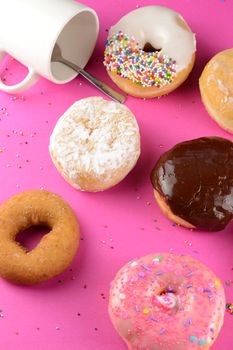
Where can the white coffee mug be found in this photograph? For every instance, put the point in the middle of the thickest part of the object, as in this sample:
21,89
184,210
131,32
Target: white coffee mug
29,30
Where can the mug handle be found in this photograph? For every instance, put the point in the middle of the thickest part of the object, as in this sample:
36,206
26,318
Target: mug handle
28,81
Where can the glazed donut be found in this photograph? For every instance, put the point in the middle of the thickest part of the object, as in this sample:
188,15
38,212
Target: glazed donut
216,86
54,252
167,302
95,144
150,52
193,183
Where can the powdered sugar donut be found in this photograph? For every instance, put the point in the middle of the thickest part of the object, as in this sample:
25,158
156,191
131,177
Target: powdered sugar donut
167,302
95,144
150,51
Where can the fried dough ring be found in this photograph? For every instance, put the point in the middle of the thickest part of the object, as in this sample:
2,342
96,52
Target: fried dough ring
55,250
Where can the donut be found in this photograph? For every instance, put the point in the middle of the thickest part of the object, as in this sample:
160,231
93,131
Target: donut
216,87
54,252
167,302
95,144
193,183
150,52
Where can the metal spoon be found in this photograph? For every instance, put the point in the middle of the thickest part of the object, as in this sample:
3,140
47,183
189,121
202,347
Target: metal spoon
107,90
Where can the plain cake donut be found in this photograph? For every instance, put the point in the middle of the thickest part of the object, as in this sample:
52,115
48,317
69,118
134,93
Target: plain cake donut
150,51
167,302
55,251
95,144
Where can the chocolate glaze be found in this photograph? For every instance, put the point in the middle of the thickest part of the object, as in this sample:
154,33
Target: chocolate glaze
196,180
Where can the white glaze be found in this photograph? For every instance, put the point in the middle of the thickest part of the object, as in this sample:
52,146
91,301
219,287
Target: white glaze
158,26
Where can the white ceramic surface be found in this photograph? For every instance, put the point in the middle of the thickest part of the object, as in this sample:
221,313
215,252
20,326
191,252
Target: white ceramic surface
29,30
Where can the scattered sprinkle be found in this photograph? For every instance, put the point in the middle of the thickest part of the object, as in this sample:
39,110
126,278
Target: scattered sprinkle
193,339
217,283
146,311
157,258
229,308
146,267
102,296
202,342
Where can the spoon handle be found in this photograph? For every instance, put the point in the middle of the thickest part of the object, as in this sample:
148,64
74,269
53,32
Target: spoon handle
107,90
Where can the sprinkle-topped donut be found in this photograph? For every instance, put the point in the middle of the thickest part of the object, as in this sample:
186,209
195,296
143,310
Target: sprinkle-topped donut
150,51
167,302
124,57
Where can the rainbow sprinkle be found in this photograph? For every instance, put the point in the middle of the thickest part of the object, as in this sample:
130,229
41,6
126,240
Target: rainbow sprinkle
124,57
229,308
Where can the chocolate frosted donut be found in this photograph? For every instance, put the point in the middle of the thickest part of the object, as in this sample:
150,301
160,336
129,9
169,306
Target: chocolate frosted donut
193,183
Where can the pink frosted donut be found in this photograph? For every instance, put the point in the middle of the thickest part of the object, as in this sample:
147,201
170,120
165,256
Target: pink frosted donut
167,302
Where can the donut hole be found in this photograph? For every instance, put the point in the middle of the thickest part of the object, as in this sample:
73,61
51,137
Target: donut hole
150,48
30,237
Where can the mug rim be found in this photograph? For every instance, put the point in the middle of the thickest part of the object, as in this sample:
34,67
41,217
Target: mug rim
78,12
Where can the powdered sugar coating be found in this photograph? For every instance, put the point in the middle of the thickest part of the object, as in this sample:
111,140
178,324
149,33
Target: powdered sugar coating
95,138
167,302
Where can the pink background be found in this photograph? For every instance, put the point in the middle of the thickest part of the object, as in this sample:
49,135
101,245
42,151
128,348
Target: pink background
70,311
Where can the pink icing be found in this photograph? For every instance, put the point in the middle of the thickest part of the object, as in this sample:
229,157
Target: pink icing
167,302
